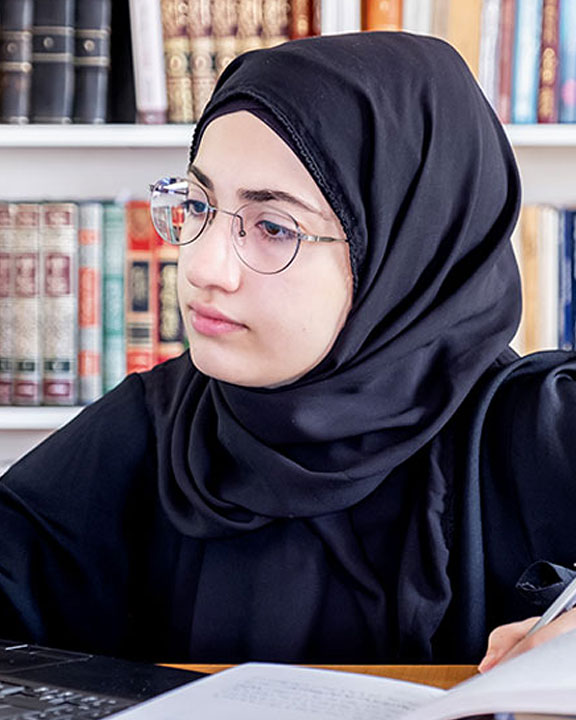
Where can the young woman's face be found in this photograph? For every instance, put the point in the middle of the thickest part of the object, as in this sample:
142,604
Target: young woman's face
244,327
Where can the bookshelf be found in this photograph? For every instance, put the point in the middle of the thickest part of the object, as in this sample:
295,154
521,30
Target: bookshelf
46,161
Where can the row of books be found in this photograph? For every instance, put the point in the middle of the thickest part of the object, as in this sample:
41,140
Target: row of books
545,245
150,61
87,294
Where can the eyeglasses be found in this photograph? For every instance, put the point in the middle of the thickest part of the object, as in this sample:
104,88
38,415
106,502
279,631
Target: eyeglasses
265,238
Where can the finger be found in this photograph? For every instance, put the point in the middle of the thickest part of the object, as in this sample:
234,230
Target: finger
502,640
562,624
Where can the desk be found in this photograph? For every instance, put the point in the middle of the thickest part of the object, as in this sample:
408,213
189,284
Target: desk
442,676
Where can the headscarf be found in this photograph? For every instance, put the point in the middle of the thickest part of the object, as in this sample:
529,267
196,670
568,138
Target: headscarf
408,152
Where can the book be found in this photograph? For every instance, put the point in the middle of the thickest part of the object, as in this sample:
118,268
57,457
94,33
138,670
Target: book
275,22
566,300
548,74
148,62
90,242
489,59
59,302
539,681
249,31
169,327
417,16
175,24
92,60
224,28
52,92
202,57
526,61
463,32
7,218
567,53
15,60
506,30
121,93
113,324
381,15
141,287
548,277
300,19
26,343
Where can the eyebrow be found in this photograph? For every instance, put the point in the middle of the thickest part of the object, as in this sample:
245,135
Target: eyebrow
262,195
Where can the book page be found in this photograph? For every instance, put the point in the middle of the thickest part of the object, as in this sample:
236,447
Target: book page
257,691
541,681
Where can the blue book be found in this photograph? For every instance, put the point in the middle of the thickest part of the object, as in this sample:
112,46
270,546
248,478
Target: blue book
526,61
114,343
566,333
567,61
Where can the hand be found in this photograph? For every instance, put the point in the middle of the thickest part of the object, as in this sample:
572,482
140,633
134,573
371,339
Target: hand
507,641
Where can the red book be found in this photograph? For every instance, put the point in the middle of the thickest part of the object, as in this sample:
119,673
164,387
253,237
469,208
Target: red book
381,15
141,288
549,76
301,16
507,23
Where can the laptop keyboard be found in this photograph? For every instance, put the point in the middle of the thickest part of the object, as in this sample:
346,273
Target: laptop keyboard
33,701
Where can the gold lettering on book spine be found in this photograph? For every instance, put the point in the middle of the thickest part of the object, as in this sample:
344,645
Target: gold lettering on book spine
202,53
548,61
275,22
249,25
224,28
177,58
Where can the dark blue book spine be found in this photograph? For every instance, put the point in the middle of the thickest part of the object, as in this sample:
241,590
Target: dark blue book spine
15,60
92,60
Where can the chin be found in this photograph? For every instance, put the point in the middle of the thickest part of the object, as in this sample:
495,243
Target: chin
238,373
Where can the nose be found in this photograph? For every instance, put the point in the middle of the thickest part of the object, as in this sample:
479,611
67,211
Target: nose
210,261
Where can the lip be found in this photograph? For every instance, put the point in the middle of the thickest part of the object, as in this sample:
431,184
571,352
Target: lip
209,321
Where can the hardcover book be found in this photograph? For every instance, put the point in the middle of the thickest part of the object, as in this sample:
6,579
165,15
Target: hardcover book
59,258
381,15
7,218
114,339
224,29
89,302
141,288
464,22
148,61
488,65
548,74
169,326
92,60
202,54
26,343
506,35
249,32
53,61
526,61
567,52
15,60
175,22
275,22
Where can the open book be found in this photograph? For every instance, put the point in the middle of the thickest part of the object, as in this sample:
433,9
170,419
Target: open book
540,681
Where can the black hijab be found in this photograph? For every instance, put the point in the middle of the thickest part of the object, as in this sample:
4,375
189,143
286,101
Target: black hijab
409,154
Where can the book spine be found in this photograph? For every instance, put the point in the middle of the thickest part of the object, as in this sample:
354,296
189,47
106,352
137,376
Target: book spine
506,34
316,17
114,344
566,335
249,33
59,258
148,60
417,16
567,51
175,22
202,57
548,278
526,61
121,93
275,22
15,60
170,326
464,30
26,343
300,19
92,60
530,286
89,302
489,50
53,61
224,28
548,75
141,288
381,15
7,217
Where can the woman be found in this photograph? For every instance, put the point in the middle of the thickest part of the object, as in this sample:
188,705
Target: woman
350,465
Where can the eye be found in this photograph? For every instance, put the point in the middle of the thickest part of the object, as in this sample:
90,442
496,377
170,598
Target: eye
274,231
196,207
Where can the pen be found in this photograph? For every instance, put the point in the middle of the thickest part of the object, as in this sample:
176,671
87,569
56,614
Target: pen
565,601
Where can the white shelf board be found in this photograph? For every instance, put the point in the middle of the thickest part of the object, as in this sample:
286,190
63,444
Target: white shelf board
95,136
179,136
35,418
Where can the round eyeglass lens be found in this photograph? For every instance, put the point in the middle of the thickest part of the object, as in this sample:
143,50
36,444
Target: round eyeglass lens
267,240
179,210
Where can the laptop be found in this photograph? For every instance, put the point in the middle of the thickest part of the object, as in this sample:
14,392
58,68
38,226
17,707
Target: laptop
39,683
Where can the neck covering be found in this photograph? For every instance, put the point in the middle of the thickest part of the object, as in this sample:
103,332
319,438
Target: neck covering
407,151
